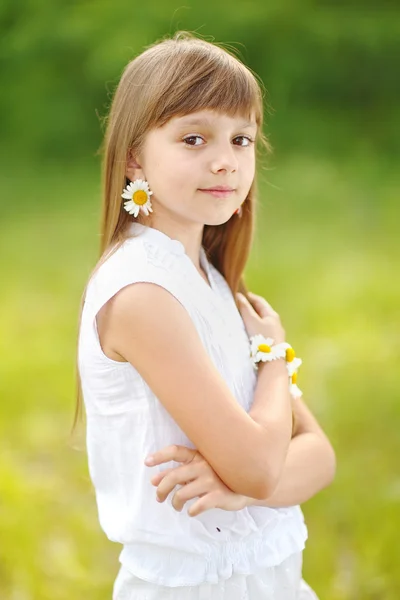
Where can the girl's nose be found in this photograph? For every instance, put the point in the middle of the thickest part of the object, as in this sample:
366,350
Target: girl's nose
224,160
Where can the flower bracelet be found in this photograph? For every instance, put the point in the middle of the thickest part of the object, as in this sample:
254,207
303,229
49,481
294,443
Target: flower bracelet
263,349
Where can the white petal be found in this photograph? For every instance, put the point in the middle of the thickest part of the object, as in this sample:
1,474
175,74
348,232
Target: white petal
282,346
285,345
294,365
255,340
291,368
278,352
265,356
295,391
129,206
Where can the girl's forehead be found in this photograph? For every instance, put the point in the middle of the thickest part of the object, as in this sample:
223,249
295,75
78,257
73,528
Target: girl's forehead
212,117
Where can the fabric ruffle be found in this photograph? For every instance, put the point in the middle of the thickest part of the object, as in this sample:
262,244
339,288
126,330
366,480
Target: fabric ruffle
170,567
282,582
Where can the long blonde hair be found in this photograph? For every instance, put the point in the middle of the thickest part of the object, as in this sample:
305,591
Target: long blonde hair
175,77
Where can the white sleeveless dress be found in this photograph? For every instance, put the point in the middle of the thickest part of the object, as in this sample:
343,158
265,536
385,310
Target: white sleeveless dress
254,553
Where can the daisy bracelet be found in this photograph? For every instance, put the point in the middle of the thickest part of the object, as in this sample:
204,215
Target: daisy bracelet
263,349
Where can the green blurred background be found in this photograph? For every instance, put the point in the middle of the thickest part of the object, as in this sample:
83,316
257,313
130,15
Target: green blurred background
326,256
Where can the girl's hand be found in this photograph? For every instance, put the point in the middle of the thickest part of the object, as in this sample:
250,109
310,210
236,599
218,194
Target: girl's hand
198,480
259,317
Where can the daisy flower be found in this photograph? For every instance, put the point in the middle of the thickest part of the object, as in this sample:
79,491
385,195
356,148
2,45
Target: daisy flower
138,195
289,353
294,389
262,348
292,364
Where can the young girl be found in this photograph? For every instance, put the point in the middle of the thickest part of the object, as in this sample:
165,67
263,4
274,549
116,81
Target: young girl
164,351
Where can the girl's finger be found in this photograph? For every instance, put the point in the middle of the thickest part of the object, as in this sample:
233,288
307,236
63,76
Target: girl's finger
187,492
179,475
177,453
206,502
244,303
155,480
261,305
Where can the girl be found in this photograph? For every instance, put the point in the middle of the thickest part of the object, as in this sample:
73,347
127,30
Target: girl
163,353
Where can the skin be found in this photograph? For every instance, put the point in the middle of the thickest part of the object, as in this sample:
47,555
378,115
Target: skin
178,160
190,153
310,467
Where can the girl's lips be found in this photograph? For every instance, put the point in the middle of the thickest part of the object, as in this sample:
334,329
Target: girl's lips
218,193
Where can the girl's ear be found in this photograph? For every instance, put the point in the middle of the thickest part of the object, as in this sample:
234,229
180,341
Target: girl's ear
133,168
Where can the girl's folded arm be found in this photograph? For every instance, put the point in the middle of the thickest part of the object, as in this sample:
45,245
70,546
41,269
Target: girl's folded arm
149,327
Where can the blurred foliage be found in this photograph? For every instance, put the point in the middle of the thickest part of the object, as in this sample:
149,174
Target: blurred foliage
326,256
333,64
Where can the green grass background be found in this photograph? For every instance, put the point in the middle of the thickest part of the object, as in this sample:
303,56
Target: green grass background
326,256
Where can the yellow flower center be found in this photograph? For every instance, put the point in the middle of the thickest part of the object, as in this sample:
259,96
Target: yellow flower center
290,354
264,348
294,378
140,197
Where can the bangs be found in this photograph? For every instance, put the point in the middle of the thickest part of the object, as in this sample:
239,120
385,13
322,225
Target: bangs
207,78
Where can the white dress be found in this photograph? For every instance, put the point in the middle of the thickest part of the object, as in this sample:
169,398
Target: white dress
253,553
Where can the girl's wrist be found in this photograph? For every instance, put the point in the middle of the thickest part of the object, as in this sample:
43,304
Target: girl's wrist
276,367
265,350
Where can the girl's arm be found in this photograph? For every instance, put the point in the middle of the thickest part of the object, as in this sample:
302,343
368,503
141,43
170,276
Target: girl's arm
309,466
247,451
310,463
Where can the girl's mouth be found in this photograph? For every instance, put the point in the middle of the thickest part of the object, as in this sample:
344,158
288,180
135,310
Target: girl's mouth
218,192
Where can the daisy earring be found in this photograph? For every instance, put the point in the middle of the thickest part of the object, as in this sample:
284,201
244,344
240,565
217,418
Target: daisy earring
137,194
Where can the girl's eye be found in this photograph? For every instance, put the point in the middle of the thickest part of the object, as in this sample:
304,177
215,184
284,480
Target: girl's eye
247,139
189,140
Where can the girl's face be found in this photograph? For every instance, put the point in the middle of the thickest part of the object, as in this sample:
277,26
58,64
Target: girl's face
189,155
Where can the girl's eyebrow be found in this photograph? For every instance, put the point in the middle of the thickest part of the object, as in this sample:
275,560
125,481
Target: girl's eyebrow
204,121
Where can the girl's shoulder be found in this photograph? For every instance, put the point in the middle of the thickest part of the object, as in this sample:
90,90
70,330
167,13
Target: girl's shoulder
136,259
129,258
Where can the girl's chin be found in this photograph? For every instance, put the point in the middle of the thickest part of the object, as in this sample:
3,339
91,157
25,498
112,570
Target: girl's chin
218,219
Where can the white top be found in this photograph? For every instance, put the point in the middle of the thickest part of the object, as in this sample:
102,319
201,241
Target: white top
126,422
